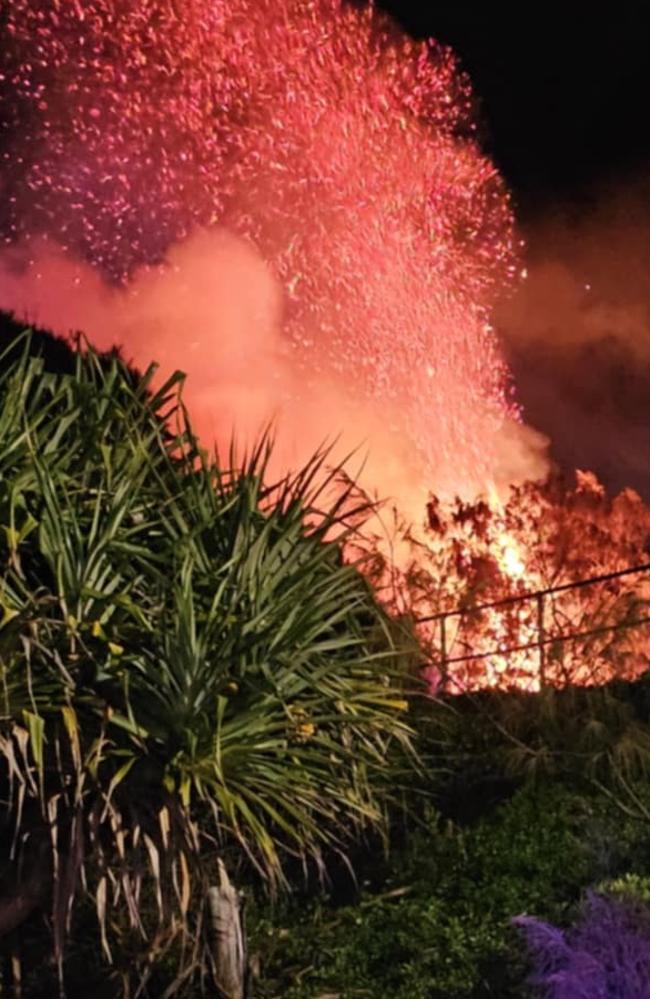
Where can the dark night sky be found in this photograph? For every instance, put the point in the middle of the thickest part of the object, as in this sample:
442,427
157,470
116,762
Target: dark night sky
564,88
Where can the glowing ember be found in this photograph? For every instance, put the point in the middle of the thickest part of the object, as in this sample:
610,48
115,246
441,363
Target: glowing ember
341,151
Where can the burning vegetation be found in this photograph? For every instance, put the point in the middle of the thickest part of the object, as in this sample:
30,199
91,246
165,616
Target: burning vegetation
302,186
287,201
550,587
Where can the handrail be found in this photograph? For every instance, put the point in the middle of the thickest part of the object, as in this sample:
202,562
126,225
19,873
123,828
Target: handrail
573,636
534,594
543,639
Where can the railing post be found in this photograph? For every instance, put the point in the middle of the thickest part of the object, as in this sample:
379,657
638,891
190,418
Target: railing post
443,648
541,637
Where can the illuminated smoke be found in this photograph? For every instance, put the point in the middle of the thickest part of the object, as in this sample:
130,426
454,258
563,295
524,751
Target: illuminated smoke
578,332
319,171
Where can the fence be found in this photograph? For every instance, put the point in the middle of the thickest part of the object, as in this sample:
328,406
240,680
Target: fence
542,640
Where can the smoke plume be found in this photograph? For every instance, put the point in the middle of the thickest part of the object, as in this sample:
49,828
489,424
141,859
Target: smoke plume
577,333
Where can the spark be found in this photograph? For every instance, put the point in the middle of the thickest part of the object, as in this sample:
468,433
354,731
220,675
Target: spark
342,150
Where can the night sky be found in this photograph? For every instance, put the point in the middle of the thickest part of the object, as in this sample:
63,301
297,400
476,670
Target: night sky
563,88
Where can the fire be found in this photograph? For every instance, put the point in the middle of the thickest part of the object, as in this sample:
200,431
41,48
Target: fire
511,558
339,151
551,586
287,200
509,552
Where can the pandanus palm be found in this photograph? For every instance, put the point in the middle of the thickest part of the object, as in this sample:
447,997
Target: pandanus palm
187,660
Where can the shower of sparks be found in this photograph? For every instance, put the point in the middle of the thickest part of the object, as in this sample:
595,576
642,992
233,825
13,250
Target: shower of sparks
344,152
345,156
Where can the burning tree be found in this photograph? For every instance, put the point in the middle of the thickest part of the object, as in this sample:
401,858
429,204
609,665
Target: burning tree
549,587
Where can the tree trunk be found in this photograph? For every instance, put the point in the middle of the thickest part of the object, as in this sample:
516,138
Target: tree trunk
227,932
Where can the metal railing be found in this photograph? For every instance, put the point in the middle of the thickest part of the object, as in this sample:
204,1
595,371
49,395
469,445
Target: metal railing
542,641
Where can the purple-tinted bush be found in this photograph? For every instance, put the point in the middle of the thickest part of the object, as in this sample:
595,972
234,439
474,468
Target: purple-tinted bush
606,956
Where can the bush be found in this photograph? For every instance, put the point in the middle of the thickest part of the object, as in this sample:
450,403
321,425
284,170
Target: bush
605,956
434,922
629,886
188,663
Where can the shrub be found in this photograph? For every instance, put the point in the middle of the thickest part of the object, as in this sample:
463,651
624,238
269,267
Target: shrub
434,921
605,956
188,663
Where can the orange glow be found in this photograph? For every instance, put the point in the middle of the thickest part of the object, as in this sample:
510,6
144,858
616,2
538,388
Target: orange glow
286,200
543,538
368,232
